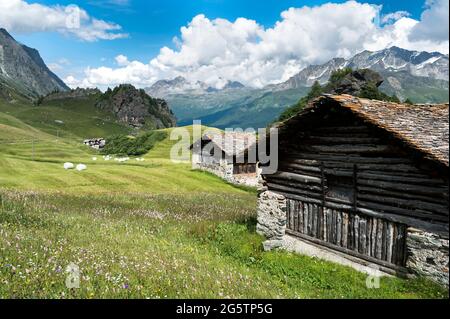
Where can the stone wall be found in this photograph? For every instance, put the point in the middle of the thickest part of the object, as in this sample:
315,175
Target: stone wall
428,255
223,169
272,219
220,168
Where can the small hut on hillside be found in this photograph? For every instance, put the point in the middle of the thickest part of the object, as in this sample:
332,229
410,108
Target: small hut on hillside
365,179
227,155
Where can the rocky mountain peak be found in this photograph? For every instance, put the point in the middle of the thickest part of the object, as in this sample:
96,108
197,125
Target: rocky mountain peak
22,69
134,107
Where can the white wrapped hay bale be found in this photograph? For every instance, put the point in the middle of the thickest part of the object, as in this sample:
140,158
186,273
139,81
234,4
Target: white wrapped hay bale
81,167
68,166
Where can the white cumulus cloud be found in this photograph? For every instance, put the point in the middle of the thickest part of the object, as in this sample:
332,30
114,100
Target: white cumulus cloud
243,50
23,17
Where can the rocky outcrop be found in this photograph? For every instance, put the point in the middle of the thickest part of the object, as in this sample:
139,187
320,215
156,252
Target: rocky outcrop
22,69
134,107
354,82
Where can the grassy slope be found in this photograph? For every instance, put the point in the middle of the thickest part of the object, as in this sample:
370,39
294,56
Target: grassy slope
80,118
154,229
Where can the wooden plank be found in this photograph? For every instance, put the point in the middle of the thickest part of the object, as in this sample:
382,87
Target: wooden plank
394,163
400,194
298,197
384,241
422,190
305,218
292,190
314,221
319,222
339,228
356,227
298,178
407,203
362,236
389,235
395,259
401,211
295,214
350,148
289,212
379,240
332,140
330,224
292,215
369,234
341,129
305,168
310,219
373,249
301,209
325,224
344,229
404,179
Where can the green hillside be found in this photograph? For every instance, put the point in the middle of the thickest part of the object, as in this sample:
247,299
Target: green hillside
239,108
70,118
151,229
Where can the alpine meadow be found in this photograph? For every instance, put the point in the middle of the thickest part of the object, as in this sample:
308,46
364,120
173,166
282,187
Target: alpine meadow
352,112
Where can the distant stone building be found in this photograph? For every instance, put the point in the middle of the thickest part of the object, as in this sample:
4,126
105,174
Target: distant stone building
366,180
228,155
96,143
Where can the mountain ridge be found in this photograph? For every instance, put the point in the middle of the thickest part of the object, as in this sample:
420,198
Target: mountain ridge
23,70
420,76
432,65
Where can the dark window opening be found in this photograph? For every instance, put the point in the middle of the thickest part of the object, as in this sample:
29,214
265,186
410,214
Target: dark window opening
340,188
244,169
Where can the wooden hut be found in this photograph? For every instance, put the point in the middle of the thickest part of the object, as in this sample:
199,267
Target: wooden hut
227,155
366,179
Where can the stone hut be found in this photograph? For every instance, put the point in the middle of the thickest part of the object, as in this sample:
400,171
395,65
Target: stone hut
228,155
366,181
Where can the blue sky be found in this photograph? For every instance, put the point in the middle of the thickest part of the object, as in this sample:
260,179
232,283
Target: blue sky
151,25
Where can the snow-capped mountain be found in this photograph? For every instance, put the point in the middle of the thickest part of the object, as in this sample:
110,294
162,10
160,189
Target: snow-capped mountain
180,85
432,65
420,76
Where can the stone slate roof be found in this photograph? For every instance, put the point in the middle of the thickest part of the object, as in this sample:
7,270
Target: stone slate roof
424,128
231,143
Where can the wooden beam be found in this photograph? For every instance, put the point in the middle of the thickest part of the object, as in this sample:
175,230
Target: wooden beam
298,178
347,251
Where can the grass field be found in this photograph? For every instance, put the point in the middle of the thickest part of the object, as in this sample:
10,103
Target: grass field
151,229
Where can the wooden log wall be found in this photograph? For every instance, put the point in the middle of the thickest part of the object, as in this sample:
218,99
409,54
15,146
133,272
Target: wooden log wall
389,183
364,236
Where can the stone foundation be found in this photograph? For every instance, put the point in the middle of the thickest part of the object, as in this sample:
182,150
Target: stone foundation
272,219
428,255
